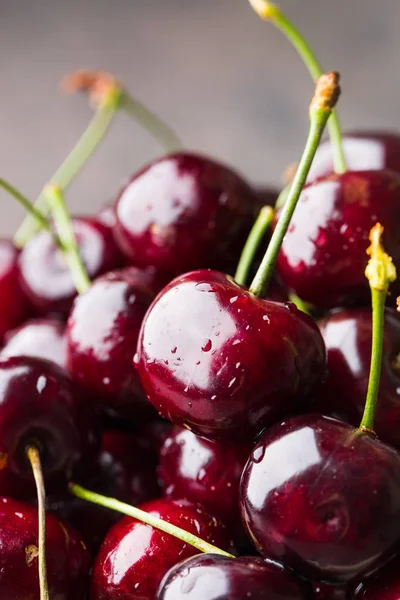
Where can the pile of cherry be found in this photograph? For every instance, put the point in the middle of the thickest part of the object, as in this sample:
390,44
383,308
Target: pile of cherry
167,385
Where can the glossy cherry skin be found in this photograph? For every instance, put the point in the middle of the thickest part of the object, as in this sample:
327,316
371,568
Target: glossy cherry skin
216,577
13,304
325,591
41,338
68,561
221,361
40,404
135,557
322,498
364,150
347,336
323,256
102,334
45,276
203,471
184,212
382,585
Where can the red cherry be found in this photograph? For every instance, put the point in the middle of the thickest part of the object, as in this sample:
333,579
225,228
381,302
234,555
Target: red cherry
68,561
323,256
382,585
45,276
224,362
323,498
184,212
41,338
13,304
135,557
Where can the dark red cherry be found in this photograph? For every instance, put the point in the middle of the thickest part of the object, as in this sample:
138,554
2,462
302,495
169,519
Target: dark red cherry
68,561
135,557
40,405
13,305
223,362
364,150
203,471
42,338
267,196
323,256
184,212
382,585
347,336
322,498
102,334
216,577
326,591
44,274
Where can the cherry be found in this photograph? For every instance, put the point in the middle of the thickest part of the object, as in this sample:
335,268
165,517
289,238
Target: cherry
13,304
323,498
267,196
364,150
382,585
40,405
45,275
67,558
203,471
215,577
347,336
184,212
323,258
102,334
42,338
224,362
134,557
325,591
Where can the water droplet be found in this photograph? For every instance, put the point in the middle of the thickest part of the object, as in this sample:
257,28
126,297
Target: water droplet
266,318
174,349
136,359
213,397
236,342
106,380
233,299
237,365
203,287
41,384
232,381
258,454
206,345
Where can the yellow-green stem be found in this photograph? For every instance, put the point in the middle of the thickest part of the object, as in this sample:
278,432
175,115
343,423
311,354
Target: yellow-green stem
256,236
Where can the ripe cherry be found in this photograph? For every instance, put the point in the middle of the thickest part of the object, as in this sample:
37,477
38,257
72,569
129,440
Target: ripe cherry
222,361
44,274
41,338
40,405
68,560
14,308
382,585
184,212
347,336
203,471
323,258
323,498
135,557
102,335
215,577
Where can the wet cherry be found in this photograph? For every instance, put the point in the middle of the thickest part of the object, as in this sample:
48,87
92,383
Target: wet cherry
14,306
68,561
224,362
323,498
215,577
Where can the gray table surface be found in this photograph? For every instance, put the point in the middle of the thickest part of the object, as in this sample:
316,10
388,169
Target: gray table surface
230,84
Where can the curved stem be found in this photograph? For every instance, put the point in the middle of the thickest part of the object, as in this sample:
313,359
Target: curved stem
144,517
257,234
71,166
33,456
36,214
151,122
272,13
66,234
327,92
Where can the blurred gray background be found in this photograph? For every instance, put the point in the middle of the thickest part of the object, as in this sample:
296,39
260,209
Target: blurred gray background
228,83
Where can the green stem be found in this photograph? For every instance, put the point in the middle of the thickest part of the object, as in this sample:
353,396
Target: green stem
301,305
33,456
272,13
144,517
378,319
151,122
36,214
72,165
318,119
257,234
66,234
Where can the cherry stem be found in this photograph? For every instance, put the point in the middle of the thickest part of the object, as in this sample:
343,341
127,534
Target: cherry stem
256,236
301,305
380,272
326,95
33,456
66,234
272,13
36,214
144,517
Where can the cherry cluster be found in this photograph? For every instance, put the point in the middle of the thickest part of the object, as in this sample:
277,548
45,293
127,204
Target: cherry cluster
202,356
